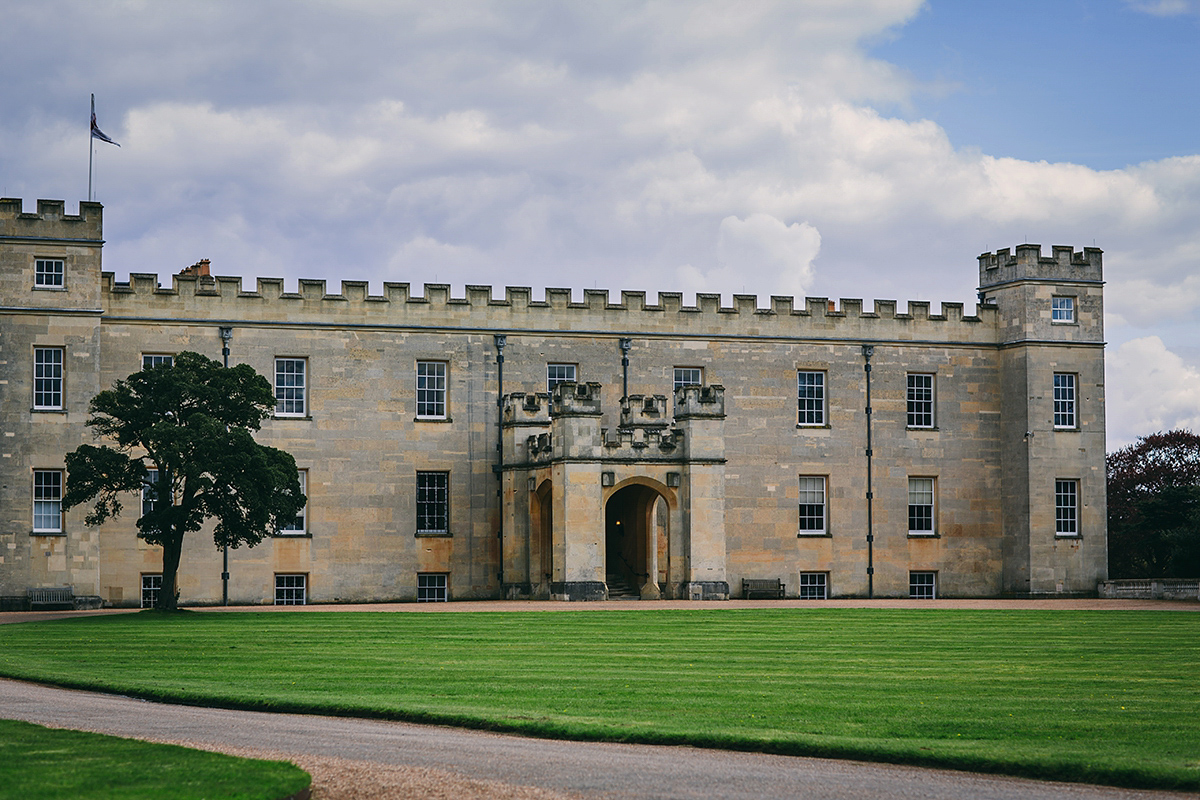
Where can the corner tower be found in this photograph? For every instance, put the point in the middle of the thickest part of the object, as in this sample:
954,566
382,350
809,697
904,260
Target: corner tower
1050,330
49,371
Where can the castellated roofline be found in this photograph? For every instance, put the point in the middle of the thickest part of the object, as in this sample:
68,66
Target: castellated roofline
1064,264
51,220
314,296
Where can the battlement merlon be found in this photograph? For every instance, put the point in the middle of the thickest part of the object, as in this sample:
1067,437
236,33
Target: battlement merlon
575,400
644,411
1064,265
700,402
51,222
526,409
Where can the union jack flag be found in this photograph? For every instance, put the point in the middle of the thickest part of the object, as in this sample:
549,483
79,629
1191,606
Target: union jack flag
99,134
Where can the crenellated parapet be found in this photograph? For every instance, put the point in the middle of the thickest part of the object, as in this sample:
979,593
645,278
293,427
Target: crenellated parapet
1027,263
206,297
575,400
643,444
700,402
530,409
644,411
51,222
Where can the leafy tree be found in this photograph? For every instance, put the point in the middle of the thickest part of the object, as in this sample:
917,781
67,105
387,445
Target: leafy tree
192,421
1154,507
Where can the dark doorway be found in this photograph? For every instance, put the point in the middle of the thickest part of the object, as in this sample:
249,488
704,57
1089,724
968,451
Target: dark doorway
634,522
541,544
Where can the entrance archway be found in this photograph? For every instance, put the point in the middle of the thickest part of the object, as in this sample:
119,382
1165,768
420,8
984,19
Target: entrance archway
541,541
636,551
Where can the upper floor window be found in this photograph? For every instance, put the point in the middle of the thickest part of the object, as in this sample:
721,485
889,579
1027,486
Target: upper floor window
154,360
433,502
812,504
688,376
1062,309
559,373
1066,508
300,524
49,273
48,378
290,387
1064,400
811,397
47,500
920,400
150,489
431,389
920,506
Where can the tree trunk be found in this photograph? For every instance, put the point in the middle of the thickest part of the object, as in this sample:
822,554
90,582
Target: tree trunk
168,595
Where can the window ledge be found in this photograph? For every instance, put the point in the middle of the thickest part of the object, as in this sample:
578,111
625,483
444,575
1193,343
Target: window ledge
36,410
933,428
433,419
1072,429
37,288
803,426
48,533
923,535
825,535
292,535
1068,536
433,534
307,417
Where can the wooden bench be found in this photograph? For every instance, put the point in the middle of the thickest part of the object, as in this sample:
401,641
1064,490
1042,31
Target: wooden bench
771,588
59,598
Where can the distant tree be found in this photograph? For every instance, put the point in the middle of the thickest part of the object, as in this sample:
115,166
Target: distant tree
192,422
1154,507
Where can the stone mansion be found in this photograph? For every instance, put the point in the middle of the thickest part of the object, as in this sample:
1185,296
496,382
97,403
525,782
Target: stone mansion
473,448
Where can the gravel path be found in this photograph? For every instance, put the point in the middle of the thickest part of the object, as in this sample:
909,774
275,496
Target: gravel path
356,758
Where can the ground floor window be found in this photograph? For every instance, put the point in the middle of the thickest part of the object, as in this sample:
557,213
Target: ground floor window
431,587
47,500
433,502
151,586
1066,508
291,590
814,586
922,585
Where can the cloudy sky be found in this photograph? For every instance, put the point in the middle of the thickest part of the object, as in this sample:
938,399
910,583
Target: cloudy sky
827,148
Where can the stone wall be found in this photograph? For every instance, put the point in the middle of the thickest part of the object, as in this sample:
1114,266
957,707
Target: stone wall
362,442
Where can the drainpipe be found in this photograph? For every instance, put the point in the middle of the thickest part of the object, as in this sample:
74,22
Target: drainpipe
868,351
501,341
226,335
625,345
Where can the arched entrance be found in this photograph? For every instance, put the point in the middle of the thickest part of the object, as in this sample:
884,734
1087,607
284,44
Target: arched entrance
636,551
541,542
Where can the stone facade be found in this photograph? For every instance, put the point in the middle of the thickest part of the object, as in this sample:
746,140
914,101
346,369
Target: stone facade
431,462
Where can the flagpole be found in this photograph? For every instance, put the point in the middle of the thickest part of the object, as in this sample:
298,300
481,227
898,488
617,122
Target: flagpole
90,147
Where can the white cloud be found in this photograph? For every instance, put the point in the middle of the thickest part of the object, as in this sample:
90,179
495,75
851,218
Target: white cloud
1162,8
1149,389
760,250
549,144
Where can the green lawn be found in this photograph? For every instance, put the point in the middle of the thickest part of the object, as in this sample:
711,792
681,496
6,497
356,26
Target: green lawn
48,764
1109,697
